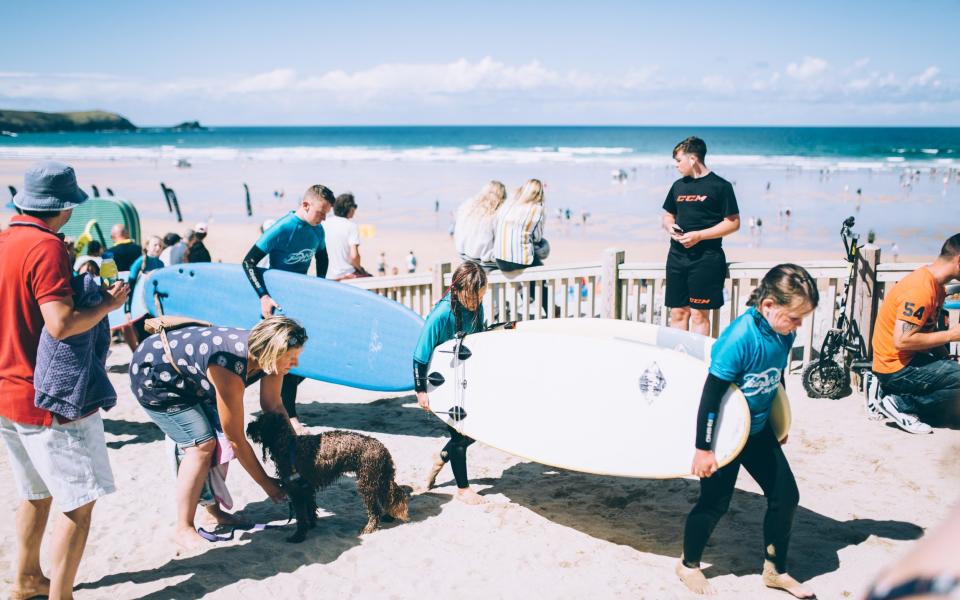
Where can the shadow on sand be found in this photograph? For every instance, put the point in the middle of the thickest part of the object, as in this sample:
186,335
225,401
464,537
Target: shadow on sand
649,515
387,415
143,433
265,552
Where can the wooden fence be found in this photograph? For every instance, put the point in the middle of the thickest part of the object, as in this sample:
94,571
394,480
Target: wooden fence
580,290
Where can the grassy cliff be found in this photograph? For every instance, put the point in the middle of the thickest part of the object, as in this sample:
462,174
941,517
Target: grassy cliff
19,121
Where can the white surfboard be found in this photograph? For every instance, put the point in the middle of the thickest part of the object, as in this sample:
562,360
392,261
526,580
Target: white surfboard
693,344
586,403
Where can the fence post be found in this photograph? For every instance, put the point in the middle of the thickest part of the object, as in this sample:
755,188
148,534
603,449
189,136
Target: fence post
865,298
611,295
437,288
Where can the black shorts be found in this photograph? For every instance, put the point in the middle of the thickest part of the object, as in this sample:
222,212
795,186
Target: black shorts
695,279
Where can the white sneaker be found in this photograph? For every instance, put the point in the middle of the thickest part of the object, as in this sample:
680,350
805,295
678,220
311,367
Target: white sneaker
905,421
871,396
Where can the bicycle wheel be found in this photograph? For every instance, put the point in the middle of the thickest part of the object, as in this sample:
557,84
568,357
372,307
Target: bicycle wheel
826,379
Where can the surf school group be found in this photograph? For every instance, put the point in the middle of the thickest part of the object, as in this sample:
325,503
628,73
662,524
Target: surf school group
189,375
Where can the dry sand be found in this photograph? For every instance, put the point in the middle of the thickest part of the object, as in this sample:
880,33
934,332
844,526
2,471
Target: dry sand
866,490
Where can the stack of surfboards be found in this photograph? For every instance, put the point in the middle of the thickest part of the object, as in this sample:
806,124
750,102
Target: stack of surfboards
600,396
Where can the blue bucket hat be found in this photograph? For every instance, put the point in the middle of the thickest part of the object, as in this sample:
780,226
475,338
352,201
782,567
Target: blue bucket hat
49,186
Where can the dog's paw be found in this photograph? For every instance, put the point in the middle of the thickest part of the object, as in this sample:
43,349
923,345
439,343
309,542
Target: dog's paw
370,528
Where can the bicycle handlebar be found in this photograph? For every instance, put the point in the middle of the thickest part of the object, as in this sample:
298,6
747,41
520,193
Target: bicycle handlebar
849,239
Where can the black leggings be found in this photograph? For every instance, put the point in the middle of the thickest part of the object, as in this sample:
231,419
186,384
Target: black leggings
545,298
455,452
764,460
288,393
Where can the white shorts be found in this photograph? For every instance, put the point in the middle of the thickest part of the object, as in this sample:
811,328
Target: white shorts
67,461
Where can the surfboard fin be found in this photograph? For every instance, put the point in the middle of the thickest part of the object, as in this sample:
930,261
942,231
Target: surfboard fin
435,379
463,353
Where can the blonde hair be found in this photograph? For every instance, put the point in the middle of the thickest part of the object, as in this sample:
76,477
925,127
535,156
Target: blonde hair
271,338
530,193
485,204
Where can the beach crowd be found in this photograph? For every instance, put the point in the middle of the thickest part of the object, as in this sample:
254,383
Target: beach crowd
190,377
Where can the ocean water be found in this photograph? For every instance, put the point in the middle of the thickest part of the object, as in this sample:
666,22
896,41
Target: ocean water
834,148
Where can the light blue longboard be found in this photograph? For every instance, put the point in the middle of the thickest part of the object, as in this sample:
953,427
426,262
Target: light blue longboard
138,307
356,338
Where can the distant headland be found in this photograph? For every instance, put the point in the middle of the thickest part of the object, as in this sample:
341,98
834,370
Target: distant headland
22,121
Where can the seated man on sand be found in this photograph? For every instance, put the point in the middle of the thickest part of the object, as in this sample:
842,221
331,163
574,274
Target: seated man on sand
910,359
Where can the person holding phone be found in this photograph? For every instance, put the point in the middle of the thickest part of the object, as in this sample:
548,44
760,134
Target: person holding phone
700,209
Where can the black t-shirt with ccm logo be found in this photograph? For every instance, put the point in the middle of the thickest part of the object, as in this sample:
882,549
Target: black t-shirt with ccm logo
699,204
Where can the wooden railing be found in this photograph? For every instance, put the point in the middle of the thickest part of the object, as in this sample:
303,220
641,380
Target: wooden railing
580,290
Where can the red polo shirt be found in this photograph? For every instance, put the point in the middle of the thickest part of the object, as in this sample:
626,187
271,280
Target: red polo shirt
34,270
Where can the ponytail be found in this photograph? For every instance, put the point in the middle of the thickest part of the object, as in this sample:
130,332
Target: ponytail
784,284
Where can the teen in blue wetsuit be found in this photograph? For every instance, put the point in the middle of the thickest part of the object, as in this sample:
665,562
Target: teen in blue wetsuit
292,243
459,311
751,353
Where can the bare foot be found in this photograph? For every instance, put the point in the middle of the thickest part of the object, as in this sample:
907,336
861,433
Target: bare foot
695,580
216,516
469,496
30,586
298,427
434,471
189,543
783,581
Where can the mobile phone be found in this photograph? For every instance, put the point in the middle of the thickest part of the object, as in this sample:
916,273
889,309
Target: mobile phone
677,229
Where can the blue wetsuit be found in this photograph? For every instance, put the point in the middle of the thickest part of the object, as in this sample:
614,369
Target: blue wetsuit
752,355
441,326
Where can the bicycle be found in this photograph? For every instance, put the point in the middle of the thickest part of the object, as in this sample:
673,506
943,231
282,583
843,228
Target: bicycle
843,348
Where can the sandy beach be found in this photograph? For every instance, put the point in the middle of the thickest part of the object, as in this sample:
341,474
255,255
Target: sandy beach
867,490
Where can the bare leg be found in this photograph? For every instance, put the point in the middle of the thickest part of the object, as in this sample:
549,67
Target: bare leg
31,523
69,541
435,469
298,427
129,336
680,318
694,580
193,470
783,581
700,321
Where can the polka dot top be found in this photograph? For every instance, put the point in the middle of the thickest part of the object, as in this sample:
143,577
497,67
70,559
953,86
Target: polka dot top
159,387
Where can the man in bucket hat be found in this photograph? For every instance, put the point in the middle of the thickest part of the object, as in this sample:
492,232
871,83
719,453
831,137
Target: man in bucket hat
54,461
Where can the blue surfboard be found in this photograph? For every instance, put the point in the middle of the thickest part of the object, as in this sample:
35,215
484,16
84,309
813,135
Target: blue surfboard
138,307
356,337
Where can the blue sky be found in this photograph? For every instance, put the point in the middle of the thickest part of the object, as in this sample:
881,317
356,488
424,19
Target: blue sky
518,62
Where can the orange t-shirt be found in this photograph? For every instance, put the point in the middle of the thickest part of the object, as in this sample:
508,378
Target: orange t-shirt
916,299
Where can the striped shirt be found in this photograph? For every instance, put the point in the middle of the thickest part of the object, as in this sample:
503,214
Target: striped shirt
519,227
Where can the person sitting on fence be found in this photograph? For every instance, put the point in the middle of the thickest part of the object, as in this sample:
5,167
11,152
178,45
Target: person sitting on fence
458,311
519,241
910,359
752,353
475,228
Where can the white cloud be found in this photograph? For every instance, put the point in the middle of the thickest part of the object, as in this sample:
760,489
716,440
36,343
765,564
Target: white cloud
486,87
808,68
927,77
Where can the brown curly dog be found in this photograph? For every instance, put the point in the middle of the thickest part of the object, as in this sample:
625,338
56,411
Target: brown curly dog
306,463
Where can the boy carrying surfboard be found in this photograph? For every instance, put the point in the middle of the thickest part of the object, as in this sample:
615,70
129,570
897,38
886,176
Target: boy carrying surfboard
752,354
292,243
